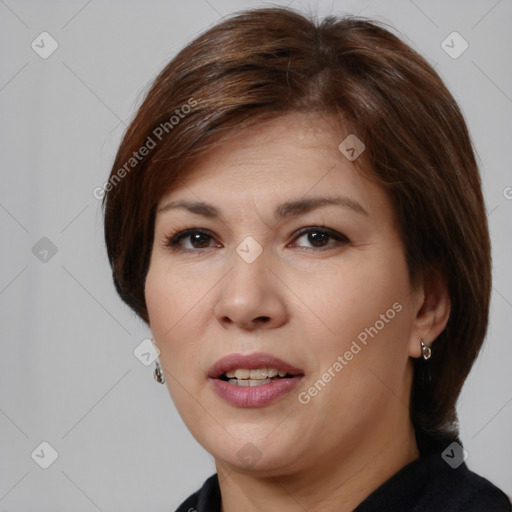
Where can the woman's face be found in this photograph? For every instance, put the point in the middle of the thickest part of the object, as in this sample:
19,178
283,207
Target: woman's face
290,254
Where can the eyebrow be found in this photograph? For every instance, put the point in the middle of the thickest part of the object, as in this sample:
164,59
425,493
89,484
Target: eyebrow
281,212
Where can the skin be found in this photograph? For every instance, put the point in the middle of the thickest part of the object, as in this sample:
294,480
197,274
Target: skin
305,299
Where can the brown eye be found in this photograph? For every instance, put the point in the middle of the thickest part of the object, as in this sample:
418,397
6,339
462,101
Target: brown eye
198,239
319,237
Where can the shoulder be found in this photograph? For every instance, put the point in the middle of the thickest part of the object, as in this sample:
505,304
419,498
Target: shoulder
206,499
438,481
455,487
474,493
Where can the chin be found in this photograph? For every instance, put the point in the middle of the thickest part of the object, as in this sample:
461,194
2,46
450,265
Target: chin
251,460
255,452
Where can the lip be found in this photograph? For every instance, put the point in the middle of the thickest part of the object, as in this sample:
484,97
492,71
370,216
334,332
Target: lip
253,396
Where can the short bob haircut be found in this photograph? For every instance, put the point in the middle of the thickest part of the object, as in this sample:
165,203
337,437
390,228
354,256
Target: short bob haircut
262,63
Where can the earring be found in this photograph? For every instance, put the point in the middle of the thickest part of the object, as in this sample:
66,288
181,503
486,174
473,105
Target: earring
426,351
159,376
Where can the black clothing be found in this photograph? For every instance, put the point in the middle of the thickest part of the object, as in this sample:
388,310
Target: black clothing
427,484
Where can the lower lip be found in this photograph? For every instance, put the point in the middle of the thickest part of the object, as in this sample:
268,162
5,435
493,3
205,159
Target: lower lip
254,396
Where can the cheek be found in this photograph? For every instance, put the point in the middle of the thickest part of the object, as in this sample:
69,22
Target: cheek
347,297
170,304
371,315
171,294
160,301
165,309
176,299
365,316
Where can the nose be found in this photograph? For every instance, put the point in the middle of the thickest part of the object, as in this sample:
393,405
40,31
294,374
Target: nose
251,296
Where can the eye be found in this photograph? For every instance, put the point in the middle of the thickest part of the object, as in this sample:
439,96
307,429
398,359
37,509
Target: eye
318,237
197,238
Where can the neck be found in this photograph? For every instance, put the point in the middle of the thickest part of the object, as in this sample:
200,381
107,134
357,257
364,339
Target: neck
338,484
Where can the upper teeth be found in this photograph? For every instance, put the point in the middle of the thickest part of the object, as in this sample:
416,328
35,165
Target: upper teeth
260,373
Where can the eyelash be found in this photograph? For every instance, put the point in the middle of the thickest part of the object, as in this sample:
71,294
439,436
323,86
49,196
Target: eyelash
172,241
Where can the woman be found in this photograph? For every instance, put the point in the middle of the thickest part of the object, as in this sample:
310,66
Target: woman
297,214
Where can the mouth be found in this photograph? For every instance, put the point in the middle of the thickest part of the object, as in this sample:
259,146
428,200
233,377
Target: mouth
253,380
245,377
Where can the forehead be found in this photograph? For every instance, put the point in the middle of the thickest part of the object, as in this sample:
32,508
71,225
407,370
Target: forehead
299,149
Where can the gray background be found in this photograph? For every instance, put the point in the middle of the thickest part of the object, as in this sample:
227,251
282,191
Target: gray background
68,372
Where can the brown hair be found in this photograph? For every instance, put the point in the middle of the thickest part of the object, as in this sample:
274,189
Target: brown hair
263,63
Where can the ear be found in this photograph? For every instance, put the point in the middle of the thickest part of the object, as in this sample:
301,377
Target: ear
433,307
